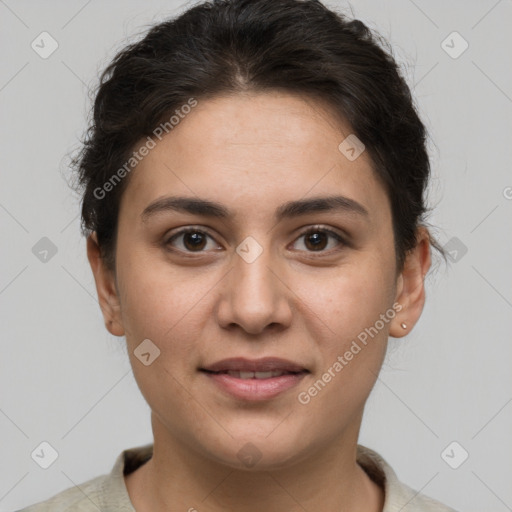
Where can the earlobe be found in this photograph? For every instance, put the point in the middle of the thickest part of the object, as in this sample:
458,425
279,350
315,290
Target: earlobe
410,286
105,288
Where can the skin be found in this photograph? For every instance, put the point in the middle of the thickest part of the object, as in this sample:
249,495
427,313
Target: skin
252,153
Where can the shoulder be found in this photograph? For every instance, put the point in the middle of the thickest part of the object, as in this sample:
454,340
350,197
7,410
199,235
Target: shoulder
81,498
398,496
106,492
409,499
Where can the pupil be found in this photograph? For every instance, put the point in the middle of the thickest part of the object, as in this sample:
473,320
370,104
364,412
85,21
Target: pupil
318,239
197,240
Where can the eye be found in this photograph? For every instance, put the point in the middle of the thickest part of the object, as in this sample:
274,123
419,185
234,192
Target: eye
316,239
191,240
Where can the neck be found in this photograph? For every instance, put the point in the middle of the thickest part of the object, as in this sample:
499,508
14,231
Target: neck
177,478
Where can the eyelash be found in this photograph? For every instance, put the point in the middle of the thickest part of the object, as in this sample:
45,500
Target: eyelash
309,231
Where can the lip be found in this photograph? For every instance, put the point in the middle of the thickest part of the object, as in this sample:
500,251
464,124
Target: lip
266,364
254,389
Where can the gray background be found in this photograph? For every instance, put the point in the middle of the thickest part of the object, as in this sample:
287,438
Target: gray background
65,380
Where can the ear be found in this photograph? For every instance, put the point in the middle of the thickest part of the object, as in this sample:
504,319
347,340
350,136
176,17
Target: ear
105,287
410,288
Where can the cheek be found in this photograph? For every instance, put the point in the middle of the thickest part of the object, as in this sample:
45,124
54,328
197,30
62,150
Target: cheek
354,313
347,301
160,303
167,308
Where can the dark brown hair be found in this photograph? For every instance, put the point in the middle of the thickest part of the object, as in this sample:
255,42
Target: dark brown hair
228,46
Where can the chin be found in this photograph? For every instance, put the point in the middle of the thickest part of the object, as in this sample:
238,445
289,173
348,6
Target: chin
252,451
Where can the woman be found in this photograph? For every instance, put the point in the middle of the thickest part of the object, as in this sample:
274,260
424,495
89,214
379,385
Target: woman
253,188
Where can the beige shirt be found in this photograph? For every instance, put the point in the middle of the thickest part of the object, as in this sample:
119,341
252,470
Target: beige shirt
108,493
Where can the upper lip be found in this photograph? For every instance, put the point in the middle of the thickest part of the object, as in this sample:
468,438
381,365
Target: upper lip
265,364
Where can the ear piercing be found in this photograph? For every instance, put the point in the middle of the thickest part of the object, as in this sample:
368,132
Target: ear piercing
403,325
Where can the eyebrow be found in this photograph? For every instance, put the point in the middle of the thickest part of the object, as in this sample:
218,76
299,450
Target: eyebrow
204,207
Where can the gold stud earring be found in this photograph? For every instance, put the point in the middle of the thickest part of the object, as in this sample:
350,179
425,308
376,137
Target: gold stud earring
403,325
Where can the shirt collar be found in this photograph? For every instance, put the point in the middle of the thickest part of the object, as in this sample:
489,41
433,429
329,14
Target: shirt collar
396,494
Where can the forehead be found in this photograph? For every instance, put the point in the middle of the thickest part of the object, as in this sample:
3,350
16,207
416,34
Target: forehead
267,147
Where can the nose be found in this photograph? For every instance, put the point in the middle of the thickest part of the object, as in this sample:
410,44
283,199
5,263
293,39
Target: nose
254,296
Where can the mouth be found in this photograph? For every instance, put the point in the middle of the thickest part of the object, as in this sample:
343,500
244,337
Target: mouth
253,375
254,380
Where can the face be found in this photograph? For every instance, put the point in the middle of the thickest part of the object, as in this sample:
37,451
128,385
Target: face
248,242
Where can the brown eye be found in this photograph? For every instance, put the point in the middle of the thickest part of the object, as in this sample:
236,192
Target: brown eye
189,240
318,239
194,241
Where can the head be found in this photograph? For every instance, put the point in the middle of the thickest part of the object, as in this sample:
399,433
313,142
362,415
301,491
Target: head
253,187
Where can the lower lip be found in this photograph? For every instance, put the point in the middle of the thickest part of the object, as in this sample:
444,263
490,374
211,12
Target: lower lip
255,389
